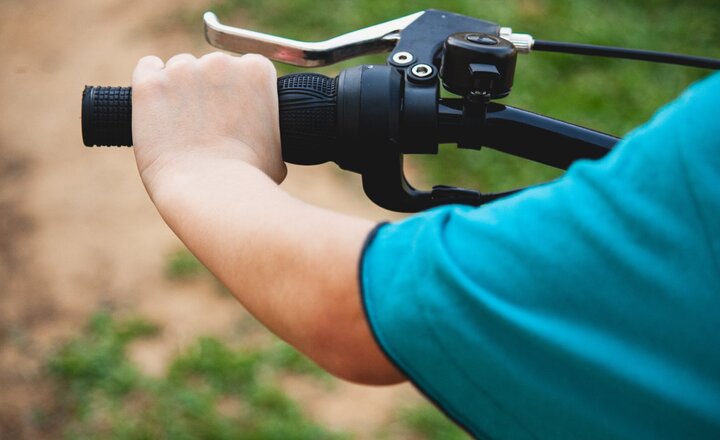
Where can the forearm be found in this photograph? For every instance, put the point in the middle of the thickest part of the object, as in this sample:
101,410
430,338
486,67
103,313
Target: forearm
207,145
292,265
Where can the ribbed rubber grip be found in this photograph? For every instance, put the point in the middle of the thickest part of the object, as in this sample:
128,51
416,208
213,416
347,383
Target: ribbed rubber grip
308,117
107,116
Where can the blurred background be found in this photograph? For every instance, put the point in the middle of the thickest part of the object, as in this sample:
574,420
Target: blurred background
109,328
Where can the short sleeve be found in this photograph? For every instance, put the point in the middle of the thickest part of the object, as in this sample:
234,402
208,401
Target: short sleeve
584,308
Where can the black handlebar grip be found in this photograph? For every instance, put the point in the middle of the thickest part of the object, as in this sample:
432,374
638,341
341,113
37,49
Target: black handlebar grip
107,116
308,117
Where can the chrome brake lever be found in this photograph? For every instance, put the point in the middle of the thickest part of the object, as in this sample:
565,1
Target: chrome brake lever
378,38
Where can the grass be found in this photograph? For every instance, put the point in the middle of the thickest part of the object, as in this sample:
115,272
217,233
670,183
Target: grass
211,391
427,422
182,265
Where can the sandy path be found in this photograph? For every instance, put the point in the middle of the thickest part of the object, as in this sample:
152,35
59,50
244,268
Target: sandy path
77,231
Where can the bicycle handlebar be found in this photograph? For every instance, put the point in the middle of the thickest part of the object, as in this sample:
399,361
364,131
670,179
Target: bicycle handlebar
308,117
367,118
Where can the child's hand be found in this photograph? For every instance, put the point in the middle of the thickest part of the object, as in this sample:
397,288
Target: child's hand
217,106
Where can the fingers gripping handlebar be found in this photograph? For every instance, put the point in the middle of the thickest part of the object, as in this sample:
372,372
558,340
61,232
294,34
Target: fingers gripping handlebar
319,116
308,119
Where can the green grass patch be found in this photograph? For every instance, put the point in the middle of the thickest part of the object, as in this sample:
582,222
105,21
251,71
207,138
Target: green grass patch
427,422
182,265
284,357
211,391
421,421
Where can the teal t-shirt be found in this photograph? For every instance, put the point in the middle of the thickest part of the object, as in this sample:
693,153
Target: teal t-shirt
586,308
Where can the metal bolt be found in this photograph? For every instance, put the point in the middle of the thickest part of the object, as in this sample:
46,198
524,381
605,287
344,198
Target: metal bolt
422,70
403,58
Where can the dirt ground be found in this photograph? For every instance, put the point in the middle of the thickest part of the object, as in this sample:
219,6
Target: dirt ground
77,230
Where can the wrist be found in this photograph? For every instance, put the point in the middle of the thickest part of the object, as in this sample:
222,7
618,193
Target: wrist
159,169
184,188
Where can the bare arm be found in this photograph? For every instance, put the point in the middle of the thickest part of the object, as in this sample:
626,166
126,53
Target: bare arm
207,147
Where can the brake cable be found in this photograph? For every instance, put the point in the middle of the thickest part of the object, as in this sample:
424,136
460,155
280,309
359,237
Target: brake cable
630,54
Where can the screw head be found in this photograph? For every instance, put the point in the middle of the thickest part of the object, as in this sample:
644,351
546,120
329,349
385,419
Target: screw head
422,70
403,58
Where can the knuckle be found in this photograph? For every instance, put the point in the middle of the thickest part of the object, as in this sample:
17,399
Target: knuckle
149,60
216,59
180,62
181,56
148,85
259,65
147,66
215,54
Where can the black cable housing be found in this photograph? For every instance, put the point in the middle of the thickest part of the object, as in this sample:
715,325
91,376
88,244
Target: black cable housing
631,54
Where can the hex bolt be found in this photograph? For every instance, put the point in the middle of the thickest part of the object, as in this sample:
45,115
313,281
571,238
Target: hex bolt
403,58
422,70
